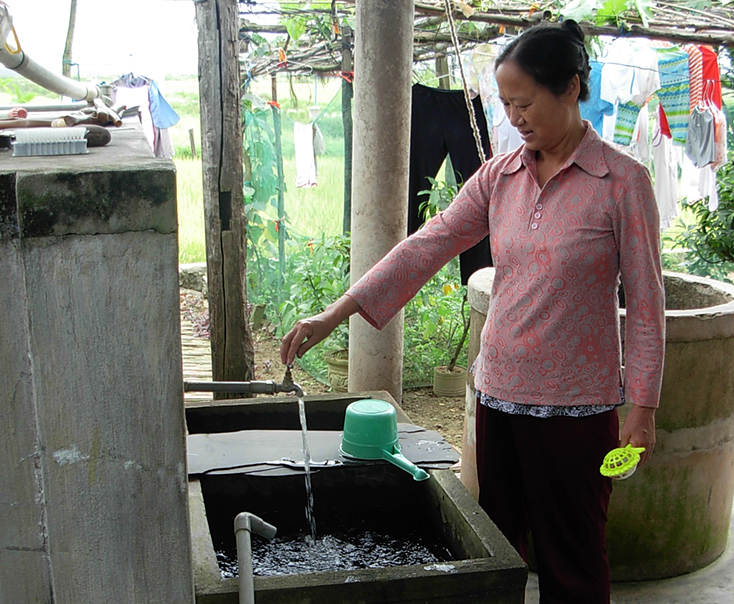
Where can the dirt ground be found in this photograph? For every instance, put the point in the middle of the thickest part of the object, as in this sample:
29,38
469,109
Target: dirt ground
445,415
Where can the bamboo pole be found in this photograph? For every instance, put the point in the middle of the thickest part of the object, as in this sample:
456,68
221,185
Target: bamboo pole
347,95
278,129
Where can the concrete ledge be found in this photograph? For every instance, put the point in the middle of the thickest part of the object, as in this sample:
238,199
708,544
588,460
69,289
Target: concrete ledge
97,202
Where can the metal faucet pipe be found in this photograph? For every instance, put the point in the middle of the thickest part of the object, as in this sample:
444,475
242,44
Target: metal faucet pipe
244,524
253,387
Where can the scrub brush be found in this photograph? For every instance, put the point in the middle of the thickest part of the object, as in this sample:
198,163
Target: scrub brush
49,141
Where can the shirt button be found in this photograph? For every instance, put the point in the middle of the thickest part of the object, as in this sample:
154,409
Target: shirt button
534,225
536,215
538,206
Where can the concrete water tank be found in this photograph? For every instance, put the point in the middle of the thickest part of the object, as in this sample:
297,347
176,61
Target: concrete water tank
482,567
93,484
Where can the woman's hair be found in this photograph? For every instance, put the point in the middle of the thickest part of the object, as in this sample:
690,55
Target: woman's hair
551,55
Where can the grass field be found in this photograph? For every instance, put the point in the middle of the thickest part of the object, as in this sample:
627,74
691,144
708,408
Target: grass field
310,211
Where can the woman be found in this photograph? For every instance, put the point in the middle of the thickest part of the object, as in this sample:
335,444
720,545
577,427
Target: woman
568,216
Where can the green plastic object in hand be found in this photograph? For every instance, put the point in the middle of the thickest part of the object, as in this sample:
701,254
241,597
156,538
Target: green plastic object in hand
621,463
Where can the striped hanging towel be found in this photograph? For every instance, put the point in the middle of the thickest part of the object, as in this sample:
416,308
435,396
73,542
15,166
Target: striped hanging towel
674,92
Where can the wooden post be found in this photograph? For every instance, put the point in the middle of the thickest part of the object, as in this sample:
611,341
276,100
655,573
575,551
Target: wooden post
347,95
278,129
233,355
192,141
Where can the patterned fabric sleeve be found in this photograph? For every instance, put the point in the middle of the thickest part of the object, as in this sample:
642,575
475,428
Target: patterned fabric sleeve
392,282
637,231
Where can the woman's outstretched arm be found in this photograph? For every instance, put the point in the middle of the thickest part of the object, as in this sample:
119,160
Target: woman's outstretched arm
306,333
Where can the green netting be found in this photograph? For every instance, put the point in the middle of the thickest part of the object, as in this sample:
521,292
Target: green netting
295,266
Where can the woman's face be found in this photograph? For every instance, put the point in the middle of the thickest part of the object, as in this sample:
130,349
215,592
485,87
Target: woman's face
543,119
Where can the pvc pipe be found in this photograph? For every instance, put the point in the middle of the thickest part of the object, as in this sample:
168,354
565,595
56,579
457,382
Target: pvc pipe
20,62
28,68
53,107
244,524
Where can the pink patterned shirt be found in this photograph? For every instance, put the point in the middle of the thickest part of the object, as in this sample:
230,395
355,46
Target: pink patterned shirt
552,333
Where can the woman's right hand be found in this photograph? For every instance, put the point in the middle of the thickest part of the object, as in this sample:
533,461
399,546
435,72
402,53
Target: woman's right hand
306,333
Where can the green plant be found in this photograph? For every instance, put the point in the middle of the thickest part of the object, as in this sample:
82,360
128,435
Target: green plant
264,279
708,241
320,273
436,319
440,195
21,90
322,277
436,324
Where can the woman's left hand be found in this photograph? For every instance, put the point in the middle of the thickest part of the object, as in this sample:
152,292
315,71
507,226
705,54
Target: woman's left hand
639,430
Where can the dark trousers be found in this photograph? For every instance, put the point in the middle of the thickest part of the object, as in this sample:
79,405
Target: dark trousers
541,476
440,125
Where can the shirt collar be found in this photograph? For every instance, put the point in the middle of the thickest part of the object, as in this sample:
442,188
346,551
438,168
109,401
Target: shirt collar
589,156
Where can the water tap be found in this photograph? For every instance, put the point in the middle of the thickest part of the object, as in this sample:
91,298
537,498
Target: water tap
252,387
289,385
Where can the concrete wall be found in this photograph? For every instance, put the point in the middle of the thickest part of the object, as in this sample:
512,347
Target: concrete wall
92,449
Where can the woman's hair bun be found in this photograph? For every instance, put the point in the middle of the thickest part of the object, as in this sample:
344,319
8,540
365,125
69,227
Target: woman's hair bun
574,29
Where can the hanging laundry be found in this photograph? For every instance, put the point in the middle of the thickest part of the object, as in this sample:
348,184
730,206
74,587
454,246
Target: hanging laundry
695,80
711,77
163,115
697,184
319,145
664,128
645,83
596,107
618,71
305,158
440,125
674,90
156,115
720,138
700,143
665,169
484,57
709,187
640,143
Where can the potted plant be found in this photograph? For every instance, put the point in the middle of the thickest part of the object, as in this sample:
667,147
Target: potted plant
450,380
337,359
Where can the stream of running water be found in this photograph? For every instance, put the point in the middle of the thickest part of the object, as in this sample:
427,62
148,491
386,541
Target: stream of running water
307,466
